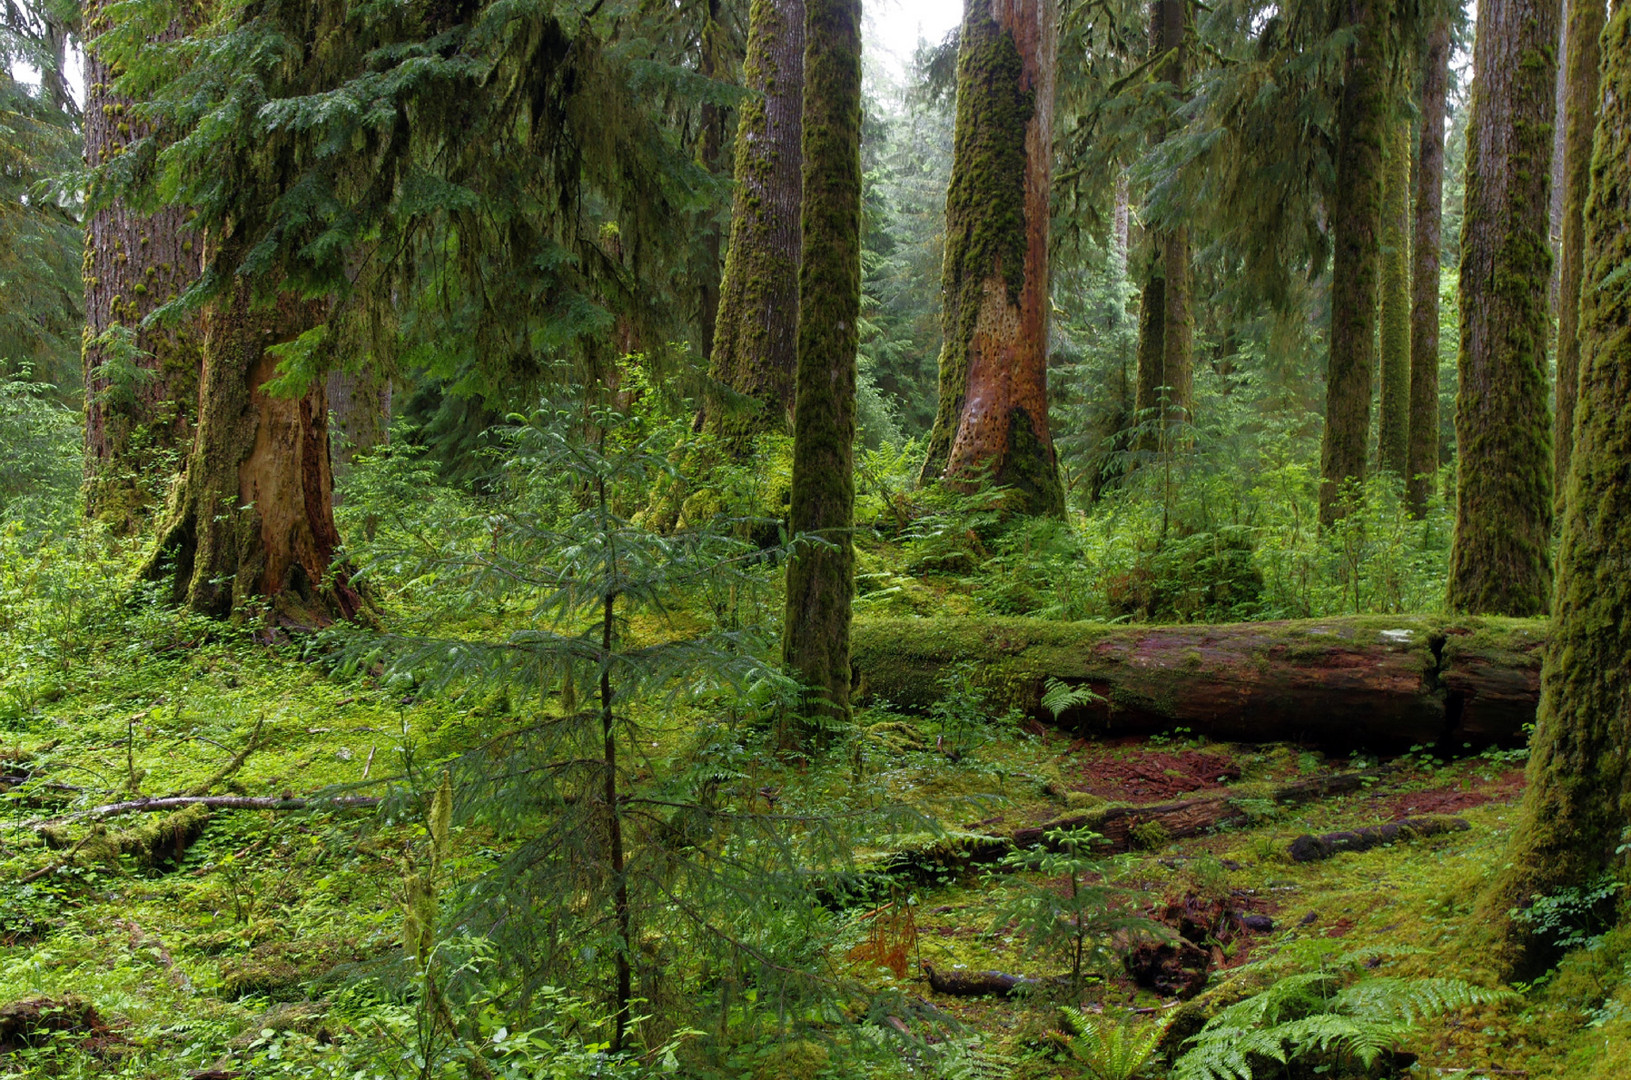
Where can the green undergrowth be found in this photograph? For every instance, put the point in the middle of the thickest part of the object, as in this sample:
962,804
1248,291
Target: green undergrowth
271,942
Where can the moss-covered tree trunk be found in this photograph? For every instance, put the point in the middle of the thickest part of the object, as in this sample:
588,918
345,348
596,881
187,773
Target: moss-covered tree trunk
712,63
755,345
1578,801
252,518
992,418
1499,562
1356,222
1393,410
820,574
141,392
1579,122
1166,332
1421,468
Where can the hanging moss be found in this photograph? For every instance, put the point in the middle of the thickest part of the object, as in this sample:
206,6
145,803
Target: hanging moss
1577,805
1500,561
1393,414
985,207
820,577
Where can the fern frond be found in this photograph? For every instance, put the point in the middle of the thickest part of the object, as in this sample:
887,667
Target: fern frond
1058,696
1410,1000
1111,1050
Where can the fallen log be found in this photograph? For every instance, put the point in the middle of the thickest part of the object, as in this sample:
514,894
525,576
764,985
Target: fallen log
1128,826
986,983
1308,848
1380,682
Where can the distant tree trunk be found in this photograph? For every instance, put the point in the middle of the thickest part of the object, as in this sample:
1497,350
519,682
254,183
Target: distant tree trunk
755,342
1393,412
815,633
252,518
139,406
359,414
1499,562
1575,805
1166,323
993,409
1356,221
710,148
1121,224
1579,122
1421,470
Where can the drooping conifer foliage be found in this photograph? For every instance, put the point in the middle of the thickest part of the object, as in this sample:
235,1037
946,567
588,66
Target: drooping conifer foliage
342,161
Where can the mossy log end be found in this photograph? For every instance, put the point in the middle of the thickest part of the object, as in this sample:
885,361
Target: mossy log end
1363,681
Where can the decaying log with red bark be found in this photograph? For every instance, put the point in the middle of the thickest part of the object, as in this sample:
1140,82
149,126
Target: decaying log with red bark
1363,681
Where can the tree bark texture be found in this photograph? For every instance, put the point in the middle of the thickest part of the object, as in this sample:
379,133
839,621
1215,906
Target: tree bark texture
1356,220
712,64
1393,411
992,418
820,574
1575,809
1499,559
1579,123
755,341
1166,376
252,518
1370,681
139,408
1421,469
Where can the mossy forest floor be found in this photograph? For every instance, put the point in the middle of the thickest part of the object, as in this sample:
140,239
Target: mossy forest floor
243,943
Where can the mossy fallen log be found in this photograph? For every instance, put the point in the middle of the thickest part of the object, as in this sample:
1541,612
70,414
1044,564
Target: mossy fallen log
1307,848
1363,681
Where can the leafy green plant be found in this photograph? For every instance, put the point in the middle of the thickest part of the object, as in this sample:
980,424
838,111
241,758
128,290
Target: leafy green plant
1089,923
1108,1049
1575,917
1059,696
1330,1016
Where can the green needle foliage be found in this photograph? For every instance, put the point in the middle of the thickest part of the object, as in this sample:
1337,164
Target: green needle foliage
620,761
1088,923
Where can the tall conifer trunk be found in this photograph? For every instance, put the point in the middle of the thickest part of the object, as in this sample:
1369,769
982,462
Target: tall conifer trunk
712,63
1421,469
1579,122
1578,800
992,418
1166,323
755,340
139,409
1356,221
815,633
1499,562
252,518
1393,411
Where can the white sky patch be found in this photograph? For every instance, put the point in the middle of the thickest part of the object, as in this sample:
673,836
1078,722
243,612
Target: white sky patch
894,27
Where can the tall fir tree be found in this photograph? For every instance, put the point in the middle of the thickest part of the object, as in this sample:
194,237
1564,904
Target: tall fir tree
1393,407
1579,123
141,383
1363,114
1166,323
821,570
1499,559
992,418
1573,823
1421,466
755,339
